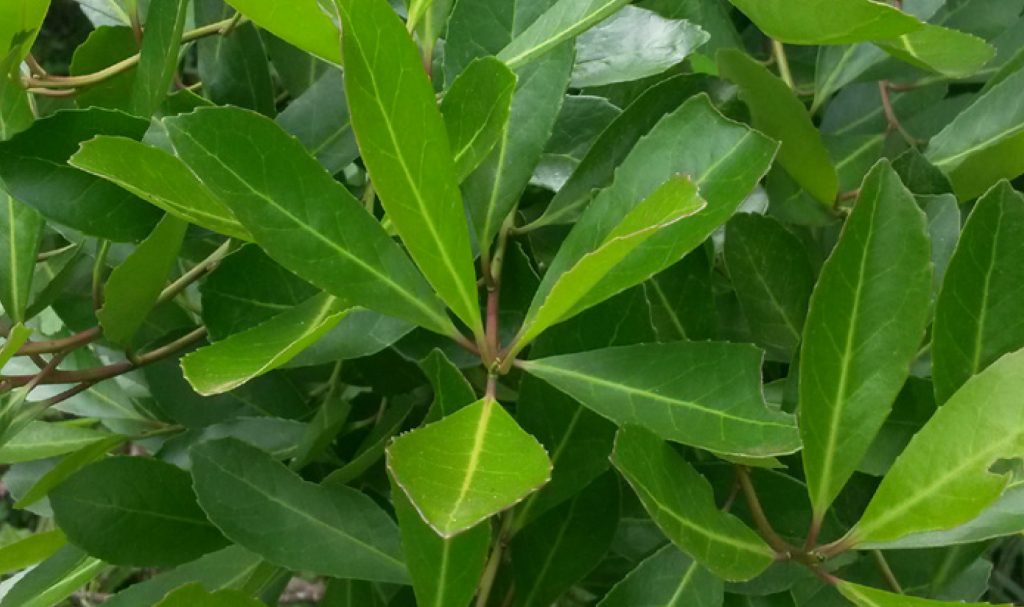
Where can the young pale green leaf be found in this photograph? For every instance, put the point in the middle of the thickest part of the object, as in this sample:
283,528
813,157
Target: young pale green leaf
978,147
160,179
776,112
303,23
978,315
300,216
667,578
406,149
565,20
40,440
15,110
264,507
319,119
21,228
943,477
19,23
682,504
107,506
560,548
467,467
633,43
33,169
597,276
30,550
703,394
15,339
231,362
864,327
193,595
444,571
53,580
772,274
451,390
950,53
158,60
863,596
134,286
815,22
233,68
476,109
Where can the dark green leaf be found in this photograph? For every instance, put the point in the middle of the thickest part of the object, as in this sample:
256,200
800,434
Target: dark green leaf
667,578
319,119
193,595
233,68
158,62
476,109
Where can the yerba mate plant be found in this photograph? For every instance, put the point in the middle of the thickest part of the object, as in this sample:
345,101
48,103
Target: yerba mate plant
512,303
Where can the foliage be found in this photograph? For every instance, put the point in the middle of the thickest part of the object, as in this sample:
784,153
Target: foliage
513,303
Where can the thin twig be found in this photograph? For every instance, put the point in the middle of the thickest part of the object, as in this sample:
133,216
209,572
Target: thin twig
886,571
891,117
779,52
764,527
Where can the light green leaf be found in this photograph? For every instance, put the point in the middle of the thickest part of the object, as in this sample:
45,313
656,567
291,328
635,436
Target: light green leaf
863,596
70,464
565,20
193,595
681,503
864,327
301,216
30,550
451,390
107,506
303,23
814,22
53,580
476,109
16,338
703,394
467,467
943,477
20,22
444,571
231,362
158,62
21,228
776,112
259,504
160,179
979,315
134,286
406,149
938,49
596,276
40,440
667,578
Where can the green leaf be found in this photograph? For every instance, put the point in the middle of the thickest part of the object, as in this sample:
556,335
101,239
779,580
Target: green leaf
406,149
565,20
53,580
301,217
703,394
233,68
581,120
978,312
229,363
134,286
667,578
864,327
32,167
372,447
682,301
976,148
70,464
20,21
15,339
948,52
476,109
444,571
776,112
597,275
278,437
305,24
562,546
467,467
193,595
863,596
158,61
681,503
262,506
944,478
319,119
105,46
21,228
827,21
40,440
107,506
772,274
160,179
451,390
15,110
30,550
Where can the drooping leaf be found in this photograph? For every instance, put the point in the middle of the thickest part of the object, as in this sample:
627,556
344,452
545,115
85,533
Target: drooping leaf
565,20
158,178
233,68
319,118
262,506
300,216
475,110
406,149
194,595
467,467
864,327
827,21
30,550
134,286
667,578
681,503
977,315
864,596
107,506
33,171
158,61
952,53
776,112
21,228
304,23
704,394
40,440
